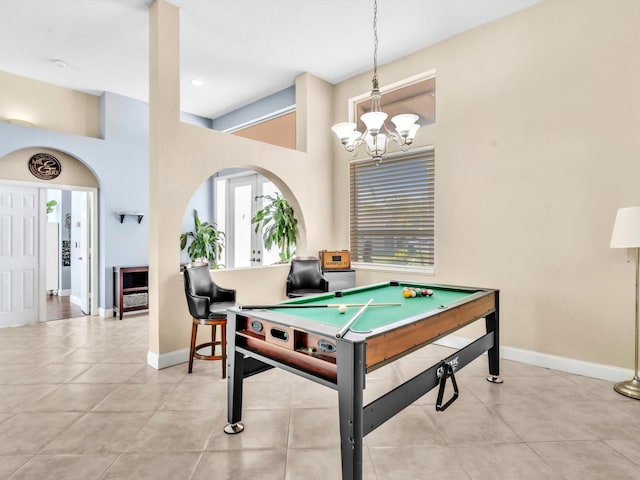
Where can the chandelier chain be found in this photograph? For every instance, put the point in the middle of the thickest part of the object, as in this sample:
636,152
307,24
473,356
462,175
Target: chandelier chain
375,44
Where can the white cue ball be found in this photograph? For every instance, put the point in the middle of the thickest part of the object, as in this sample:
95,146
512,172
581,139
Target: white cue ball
342,308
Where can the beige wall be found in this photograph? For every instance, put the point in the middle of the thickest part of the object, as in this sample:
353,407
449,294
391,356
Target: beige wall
14,166
182,156
537,145
48,106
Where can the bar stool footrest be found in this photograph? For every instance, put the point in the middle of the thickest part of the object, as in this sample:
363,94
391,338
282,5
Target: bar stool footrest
202,356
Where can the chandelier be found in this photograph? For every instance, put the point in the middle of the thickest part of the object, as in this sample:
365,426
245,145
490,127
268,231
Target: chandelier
377,136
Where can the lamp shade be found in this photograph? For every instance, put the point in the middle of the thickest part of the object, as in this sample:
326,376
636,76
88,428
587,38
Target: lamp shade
354,138
376,144
343,130
626,229
373,121
404,123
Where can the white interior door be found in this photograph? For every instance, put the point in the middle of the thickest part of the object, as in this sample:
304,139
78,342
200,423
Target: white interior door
85,254
19,273
241,199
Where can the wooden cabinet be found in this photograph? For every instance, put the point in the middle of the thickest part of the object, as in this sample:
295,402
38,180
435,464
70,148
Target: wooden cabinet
130,289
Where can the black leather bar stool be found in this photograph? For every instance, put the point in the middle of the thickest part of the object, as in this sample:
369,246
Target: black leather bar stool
208,304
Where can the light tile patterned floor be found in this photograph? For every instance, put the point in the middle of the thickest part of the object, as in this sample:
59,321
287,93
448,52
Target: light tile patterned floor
78,402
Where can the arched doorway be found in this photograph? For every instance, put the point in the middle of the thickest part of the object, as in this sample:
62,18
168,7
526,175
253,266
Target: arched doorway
33,257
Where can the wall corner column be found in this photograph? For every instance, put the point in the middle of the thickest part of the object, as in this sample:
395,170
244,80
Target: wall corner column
164,119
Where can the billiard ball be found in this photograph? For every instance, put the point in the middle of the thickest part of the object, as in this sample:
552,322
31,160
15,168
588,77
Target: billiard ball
429,292
342,308
406,293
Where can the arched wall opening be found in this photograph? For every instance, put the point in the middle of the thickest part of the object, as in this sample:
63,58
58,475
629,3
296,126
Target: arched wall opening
55,256
229,200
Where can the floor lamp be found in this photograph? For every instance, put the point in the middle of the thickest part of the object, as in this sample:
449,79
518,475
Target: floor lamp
626,234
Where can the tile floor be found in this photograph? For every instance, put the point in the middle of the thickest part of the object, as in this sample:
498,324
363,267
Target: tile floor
77,401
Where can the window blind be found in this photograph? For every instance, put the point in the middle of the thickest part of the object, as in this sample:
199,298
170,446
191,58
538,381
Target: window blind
392,210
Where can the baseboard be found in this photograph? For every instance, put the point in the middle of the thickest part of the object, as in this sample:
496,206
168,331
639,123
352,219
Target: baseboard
75,300
545,360
64,293
105,312
169,359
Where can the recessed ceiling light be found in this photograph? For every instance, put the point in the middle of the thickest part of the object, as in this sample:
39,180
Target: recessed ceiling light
60,63
196,82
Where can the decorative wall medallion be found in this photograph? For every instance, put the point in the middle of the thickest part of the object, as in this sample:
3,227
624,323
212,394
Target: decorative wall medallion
44,166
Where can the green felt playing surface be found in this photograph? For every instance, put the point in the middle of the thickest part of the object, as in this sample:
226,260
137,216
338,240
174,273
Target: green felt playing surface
374,317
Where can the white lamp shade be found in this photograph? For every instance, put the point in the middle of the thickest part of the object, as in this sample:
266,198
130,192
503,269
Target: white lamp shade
404,123
626,229
343,130
376,143
413,130
353,138
373,121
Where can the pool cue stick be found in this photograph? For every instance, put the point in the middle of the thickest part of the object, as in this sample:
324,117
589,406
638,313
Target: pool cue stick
328,305
347,325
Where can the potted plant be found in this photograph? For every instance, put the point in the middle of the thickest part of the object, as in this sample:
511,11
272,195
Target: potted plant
206,242
51,205
279,225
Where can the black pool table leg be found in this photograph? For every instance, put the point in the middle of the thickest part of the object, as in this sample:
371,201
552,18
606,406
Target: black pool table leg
235,377
351,366
234,395
493,325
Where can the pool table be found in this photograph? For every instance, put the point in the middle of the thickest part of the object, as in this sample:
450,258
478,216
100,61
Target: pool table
311,338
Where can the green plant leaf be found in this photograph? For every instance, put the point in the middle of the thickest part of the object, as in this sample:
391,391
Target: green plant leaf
207,241
279,225
50,205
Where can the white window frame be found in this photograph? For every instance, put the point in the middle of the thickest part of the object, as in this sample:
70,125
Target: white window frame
354,101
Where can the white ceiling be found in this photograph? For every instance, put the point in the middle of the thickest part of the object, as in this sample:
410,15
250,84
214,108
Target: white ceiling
242,49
